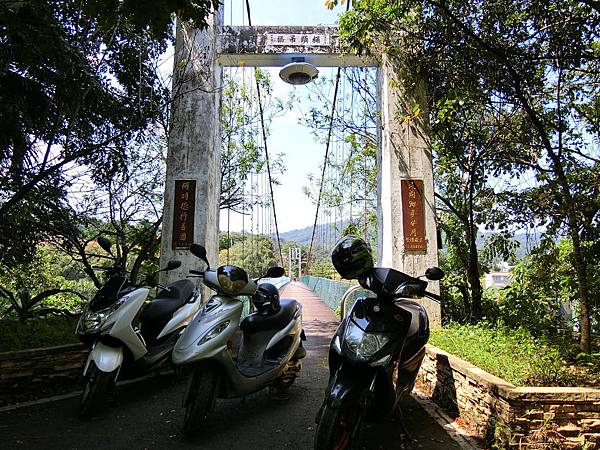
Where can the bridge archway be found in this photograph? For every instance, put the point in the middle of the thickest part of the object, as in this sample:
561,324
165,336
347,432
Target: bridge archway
407,238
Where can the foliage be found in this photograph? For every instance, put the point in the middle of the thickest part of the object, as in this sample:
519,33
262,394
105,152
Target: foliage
44,286
513,355
254,253
323,267
454,308
81,94
534,67
470,143
543,291
241,150
37,333
79,84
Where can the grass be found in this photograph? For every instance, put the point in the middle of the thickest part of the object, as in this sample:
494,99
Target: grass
515,355
36,333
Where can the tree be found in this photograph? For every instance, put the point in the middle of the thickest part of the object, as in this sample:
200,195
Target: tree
471,142
542,285
79,83
540,60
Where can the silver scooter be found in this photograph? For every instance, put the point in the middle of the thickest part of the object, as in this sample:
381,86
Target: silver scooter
129,337
270,350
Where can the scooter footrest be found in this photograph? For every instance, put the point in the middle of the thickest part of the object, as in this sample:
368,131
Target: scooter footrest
253,370
299,354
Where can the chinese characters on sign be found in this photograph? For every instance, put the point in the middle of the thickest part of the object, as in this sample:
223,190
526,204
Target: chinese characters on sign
183,214
279,39
413,215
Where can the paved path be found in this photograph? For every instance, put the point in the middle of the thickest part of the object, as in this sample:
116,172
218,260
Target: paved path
148,414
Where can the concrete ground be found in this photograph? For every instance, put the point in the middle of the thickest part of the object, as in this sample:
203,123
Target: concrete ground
148,414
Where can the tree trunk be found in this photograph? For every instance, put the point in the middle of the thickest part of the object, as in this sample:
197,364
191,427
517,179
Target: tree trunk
474,282
466,300
582,290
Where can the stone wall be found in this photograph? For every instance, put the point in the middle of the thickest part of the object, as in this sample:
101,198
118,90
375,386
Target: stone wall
38,373
515,417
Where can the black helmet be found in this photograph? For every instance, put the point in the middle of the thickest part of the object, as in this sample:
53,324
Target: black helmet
352,257
266,298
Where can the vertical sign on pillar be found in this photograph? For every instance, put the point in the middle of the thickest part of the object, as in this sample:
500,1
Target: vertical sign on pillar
183,214
413,215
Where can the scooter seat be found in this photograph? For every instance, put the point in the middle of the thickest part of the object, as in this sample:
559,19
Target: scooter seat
256,322
159,311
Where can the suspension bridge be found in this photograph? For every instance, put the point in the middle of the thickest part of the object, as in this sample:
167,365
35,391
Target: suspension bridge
382,132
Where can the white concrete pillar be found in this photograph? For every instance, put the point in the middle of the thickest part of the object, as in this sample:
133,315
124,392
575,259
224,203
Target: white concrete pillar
194,150
405,154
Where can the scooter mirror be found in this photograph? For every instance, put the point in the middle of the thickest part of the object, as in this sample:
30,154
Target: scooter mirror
173,264
434,273
200,252
105,244
275,272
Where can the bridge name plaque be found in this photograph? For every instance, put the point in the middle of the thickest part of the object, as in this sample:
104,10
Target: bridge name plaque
413,215
298,39
183,214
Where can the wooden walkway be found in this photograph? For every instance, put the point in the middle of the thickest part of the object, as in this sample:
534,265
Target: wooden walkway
318,320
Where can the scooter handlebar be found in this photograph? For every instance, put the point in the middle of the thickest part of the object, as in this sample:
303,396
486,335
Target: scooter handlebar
434,297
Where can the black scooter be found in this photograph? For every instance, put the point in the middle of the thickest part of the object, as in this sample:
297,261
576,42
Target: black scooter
375,355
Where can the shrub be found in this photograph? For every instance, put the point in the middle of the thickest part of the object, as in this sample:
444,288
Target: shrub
512,354
36,333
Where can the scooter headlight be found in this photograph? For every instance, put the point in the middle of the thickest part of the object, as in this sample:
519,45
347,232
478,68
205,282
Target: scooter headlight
214,332
92,322
362,344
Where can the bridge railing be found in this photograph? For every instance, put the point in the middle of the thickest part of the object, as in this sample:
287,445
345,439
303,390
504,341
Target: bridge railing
332,291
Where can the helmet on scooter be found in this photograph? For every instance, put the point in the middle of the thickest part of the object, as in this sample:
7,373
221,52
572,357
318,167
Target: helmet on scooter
266,298
352,257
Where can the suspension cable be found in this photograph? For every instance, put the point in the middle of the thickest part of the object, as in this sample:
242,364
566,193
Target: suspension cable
264,134
329,132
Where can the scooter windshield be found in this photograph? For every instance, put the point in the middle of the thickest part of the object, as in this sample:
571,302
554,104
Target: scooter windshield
115,287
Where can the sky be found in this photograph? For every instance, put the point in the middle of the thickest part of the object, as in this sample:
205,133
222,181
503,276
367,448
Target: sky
302,154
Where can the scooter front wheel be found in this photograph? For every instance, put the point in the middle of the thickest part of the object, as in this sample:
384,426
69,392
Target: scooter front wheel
202,394
97,384
337,427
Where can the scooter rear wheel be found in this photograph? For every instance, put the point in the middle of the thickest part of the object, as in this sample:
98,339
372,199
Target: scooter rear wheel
203,391
337,427
97,384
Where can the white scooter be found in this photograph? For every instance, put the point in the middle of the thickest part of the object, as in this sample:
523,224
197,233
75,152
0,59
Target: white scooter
128,336
270,351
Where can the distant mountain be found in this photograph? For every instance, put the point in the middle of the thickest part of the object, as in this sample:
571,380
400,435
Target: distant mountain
526,241
303,235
